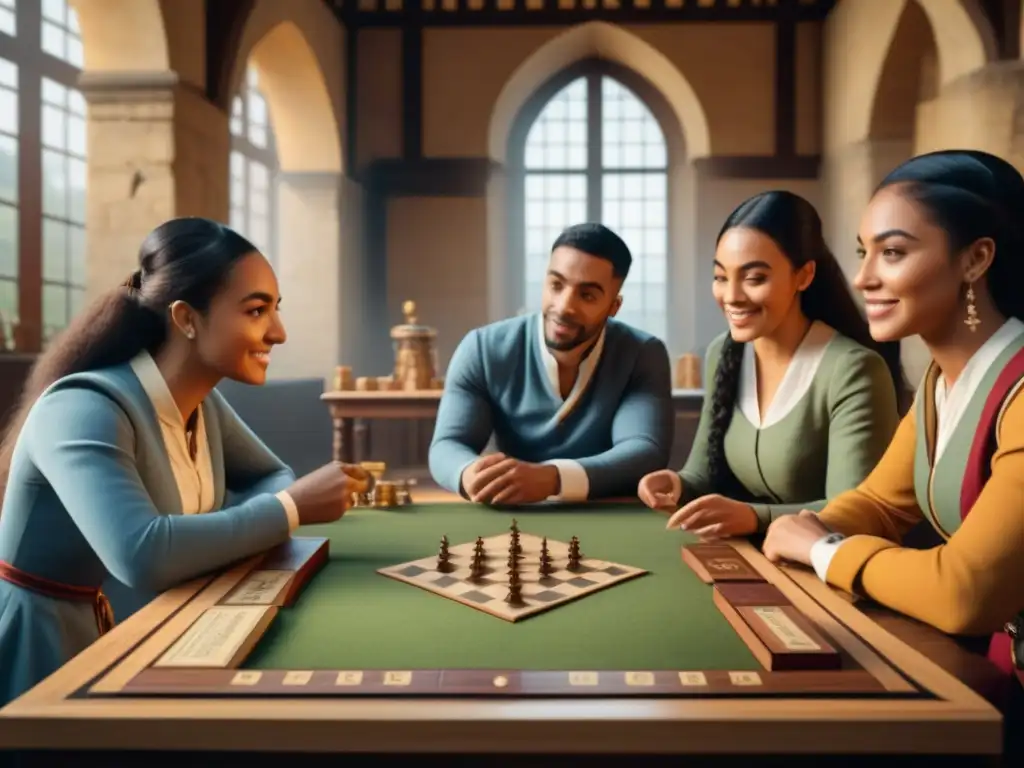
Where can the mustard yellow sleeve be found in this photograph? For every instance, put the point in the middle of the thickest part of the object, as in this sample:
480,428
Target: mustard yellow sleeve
973,583
884,505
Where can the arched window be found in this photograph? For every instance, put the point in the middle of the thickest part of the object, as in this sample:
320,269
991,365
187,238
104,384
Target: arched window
592,150
42,196
254,168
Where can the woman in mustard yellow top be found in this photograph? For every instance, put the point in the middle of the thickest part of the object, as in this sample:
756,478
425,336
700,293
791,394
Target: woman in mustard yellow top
942,248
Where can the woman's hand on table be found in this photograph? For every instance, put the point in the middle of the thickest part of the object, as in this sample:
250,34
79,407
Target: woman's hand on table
715,517
790,538
660,490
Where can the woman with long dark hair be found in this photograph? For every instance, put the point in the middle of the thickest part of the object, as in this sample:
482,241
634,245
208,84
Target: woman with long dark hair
802,400
942,249
124,462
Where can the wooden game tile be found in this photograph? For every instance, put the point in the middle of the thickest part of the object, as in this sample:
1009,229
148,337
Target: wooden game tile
296,554
714,563
752,593
779,636
303,556
222,637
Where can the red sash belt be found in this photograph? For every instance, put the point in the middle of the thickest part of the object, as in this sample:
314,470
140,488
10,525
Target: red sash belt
58,591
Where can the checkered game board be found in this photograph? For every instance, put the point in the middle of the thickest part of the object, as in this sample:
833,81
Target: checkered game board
540,593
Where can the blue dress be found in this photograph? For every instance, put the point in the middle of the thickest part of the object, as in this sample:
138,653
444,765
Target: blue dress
96,497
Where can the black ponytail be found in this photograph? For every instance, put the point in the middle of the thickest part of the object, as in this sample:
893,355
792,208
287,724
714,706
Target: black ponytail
184,259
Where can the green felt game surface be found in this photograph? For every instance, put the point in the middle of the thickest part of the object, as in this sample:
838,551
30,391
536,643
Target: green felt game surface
351,617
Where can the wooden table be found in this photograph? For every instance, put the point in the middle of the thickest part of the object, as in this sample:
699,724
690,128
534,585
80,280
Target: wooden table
351,410
82,706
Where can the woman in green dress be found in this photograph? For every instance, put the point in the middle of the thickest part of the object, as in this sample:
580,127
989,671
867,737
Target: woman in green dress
802,402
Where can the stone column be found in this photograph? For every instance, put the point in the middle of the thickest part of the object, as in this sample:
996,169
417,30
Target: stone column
849,177
157,150
981,110
320,271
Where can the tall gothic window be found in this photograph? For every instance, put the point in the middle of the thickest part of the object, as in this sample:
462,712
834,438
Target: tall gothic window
595,152
254,168
42,191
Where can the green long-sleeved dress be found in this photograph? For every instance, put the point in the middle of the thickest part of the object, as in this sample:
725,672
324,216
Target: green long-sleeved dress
832,417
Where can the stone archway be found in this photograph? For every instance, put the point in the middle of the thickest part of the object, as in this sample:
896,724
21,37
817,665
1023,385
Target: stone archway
298,50
119,36
599,39
295,47
686,119
862,32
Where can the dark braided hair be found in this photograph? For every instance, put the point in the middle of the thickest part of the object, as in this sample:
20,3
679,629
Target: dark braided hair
973,195
795,226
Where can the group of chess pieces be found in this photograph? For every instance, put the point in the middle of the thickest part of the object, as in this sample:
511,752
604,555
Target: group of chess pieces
477,570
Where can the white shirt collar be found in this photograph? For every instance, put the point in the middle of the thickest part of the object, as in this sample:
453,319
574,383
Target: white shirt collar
583,376
156,389
795,382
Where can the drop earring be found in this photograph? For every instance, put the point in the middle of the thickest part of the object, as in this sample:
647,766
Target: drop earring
972,320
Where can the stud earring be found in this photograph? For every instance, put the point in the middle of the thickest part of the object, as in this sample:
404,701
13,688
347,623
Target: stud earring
190,333
972,320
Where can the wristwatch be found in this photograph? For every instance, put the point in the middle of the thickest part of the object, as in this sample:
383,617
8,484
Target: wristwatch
1015,629
834,538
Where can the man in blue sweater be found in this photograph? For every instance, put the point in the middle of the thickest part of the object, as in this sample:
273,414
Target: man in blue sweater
580,404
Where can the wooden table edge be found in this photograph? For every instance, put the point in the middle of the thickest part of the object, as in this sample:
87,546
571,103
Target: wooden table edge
39,717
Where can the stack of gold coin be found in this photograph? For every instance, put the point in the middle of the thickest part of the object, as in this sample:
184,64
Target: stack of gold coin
402,493
384,494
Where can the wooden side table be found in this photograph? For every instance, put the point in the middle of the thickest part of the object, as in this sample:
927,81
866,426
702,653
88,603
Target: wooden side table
350,410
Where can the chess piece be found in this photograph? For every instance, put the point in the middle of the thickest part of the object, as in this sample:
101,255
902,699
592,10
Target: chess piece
513,544
545,558
515,590
574,554
444,564
476,567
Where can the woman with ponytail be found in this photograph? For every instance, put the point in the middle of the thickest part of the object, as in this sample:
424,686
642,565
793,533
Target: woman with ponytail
942,257
802,401
123,464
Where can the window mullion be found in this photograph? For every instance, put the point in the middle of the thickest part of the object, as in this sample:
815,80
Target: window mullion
30,185
594,138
